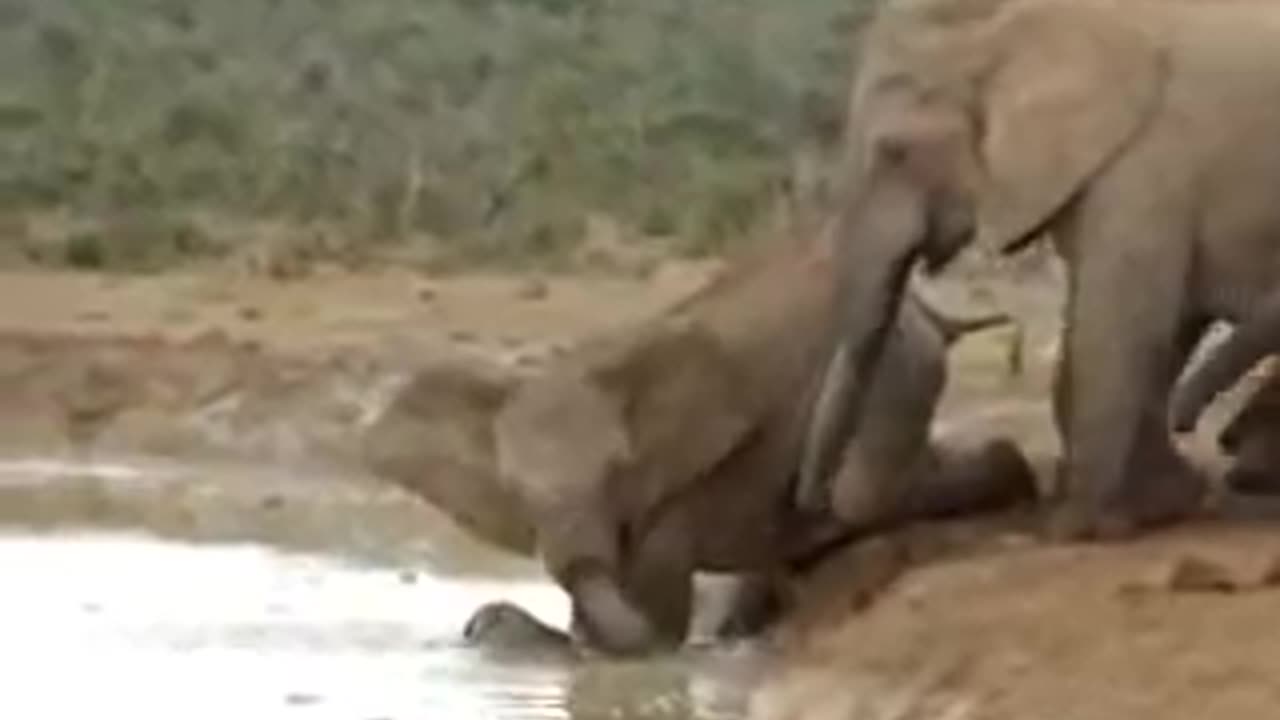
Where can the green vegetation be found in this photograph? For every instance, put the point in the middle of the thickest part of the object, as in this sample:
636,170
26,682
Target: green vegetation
485,130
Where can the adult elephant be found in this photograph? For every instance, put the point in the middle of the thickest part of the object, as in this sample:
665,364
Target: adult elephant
1140,135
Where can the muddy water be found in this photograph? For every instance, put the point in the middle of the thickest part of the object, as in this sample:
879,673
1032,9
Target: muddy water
159,592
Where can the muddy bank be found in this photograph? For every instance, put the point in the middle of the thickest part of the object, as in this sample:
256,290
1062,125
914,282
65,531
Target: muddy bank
1173,626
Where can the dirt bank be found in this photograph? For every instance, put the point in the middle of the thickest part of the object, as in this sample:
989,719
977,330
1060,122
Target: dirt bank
1176,626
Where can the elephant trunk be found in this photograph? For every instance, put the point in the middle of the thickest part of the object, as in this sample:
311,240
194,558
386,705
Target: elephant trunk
607,619
878,240
1255,337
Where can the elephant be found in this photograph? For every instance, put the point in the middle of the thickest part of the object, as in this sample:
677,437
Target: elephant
650,452
1252,438
1252,435
1135,135
1252,339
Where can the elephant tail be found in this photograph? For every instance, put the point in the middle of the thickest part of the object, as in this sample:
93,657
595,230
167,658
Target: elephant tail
955,327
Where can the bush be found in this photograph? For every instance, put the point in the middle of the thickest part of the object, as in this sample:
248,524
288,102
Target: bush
487,129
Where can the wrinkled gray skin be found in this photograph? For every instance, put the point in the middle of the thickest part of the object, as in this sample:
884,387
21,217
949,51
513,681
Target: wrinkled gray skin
1140,136
645,455
1254,338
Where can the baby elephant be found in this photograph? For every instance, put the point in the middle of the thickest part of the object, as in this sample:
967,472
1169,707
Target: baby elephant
645,455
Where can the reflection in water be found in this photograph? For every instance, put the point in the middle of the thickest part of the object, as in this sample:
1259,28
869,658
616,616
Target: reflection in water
117,624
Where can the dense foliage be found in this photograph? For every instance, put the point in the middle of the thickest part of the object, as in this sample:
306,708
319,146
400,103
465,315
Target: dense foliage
492,128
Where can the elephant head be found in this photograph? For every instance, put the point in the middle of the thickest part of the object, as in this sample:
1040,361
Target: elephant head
970,121
436,440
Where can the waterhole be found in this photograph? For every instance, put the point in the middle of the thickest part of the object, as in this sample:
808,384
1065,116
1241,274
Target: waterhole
161,592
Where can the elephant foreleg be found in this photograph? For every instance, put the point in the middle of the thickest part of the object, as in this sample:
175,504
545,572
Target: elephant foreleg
1122,350
1164,485
581,545
658,577
604,618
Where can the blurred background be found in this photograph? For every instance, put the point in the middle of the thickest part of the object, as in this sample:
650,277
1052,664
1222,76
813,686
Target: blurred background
142,134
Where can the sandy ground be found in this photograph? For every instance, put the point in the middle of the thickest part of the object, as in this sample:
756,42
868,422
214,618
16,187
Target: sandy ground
220,367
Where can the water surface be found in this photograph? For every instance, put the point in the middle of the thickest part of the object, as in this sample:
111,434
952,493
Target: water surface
106,620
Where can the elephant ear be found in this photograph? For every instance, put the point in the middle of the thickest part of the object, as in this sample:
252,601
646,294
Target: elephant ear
1071,86
687,407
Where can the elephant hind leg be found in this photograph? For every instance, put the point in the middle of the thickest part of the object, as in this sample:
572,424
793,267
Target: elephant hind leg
604,618
582,551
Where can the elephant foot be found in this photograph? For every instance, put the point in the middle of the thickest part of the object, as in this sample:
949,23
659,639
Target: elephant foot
1173,492
607,621
503,625
1072,522
1154,500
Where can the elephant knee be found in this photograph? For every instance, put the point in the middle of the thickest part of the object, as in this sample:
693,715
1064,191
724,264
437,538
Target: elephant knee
863,493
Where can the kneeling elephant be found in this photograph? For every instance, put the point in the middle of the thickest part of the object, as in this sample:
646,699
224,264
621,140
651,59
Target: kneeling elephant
645,455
